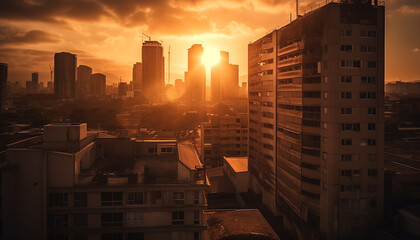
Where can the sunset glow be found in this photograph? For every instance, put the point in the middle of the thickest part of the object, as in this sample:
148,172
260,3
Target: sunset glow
210,57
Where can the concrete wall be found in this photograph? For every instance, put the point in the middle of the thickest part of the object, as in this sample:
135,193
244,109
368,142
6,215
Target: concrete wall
61,169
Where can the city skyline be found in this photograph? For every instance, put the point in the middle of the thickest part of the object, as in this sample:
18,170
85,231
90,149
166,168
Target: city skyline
108,38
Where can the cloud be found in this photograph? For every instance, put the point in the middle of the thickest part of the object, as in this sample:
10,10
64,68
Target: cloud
409,9
13,36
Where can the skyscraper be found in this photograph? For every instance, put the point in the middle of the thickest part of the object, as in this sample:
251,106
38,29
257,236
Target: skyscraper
98,85
224,79
65,75
3,85
137,76
35,82
316,124
84,75
153,70
195,77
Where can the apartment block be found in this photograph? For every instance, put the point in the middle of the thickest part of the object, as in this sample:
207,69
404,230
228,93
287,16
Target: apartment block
224,136
316,124
71,183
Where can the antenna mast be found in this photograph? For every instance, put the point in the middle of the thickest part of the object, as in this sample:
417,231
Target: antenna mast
51,72
297,9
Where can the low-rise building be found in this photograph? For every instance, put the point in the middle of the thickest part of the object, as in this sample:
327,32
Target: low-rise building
236,168
74,184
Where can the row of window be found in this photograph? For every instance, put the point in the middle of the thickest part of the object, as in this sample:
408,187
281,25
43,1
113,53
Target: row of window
363,79
356,126
349,110
349,63
356,172
371,188
363,48
80,199
363,33
363,142
349,157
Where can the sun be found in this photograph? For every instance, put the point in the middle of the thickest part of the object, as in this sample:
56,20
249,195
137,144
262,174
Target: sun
210,57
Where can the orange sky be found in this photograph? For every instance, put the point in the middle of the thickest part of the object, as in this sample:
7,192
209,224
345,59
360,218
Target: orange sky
106,34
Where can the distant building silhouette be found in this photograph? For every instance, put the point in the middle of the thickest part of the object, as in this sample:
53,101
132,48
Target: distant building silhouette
316,121
137,76
195,77
65,75
153,70
35,82
84,76
3,85
224,79
98,85
122,89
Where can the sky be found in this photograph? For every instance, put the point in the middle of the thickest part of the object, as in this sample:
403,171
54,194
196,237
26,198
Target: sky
107,34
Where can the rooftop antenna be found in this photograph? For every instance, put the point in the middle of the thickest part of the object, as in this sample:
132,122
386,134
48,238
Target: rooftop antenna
297,9
51,72
150,39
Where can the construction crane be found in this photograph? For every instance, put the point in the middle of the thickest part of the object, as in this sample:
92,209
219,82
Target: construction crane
150,39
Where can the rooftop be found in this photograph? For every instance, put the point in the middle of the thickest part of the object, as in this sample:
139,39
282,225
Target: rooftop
237,224
188,155
238,164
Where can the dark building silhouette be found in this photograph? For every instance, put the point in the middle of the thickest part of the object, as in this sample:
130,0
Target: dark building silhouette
98,85
3,85
195,77
84,76
224,79
316,120
35,82
65,75
137,76
122,89
153,70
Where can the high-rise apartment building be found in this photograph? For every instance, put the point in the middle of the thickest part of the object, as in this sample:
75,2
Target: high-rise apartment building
224,79
195,77
98,84
35,82
3,85
65,75
137,76
153,70
316,123
224,136
72,183
84,76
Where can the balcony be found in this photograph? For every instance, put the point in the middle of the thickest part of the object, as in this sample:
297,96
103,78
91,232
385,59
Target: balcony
289,74
290,61
296,46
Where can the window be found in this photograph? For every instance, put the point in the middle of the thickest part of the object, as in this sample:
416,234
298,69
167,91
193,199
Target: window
345,173
346,79
325,110
57,220
325,125
57,199
368,34
268,125
80,220
178,197
325,95
267,135
346,48
196,217
367,95
346,188
80,199
371,64
350,64
346,157
346,32
196,235
111,198
368,79
346,141
134,236
111,236
134,198
311,94
196,197
356,172
111,219
346,95
372,172
134,218
346,110
372,111
371,126
371,188
368,49
350,126
178,218
371,142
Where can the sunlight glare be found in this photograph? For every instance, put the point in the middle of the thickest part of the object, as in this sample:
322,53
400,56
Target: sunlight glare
210,57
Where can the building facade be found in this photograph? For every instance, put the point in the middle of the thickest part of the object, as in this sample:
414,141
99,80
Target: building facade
75,184
98,84
224,79
153,70
316,124
195,77
84,78
224,136
65,75
137,76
